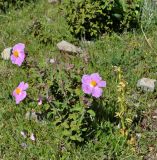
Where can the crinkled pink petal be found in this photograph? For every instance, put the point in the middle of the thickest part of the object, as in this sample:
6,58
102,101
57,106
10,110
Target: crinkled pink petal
97,92
20,97
13,58
86,88
14,93
23,86
19,46
96,77
86,79
102,84
18,61
21,56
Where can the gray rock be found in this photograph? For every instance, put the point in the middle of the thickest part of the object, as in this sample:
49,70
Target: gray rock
6,53
52,60
53,1
68,47
24,145
146,84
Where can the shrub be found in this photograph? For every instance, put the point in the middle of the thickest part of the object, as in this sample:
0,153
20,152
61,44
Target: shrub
5,5
90,19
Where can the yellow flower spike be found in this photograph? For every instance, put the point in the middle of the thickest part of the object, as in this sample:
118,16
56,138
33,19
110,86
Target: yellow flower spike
118,114
129,120
118,69
132,140
122,84
124,132
119,99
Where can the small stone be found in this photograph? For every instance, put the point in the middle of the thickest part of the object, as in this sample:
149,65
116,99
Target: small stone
146,84
6,53
68,47
52,61
24,145
154,117
53,1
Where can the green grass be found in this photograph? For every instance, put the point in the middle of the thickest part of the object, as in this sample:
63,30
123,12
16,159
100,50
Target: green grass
41,27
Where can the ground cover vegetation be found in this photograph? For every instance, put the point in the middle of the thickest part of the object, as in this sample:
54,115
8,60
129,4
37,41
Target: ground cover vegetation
55,105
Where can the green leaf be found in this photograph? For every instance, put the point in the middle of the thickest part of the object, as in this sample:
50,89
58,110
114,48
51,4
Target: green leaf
91,112
118,16
66,132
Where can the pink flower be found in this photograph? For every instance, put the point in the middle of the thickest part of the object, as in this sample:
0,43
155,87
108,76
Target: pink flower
92,84
32,137
20,92
18,54
40,101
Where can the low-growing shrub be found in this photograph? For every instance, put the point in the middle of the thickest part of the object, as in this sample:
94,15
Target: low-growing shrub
90,19
5,5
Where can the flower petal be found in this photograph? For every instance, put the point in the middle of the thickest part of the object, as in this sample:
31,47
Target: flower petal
14,93
20,97
97,92
86,79
19,61
13,58
22,55
19,47
102,84
86,88
96,77
23,86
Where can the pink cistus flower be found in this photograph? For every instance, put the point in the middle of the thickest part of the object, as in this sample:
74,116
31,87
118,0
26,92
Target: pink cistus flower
18,54
92,85
20,92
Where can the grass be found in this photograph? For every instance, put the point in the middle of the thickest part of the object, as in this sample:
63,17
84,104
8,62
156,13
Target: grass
41,27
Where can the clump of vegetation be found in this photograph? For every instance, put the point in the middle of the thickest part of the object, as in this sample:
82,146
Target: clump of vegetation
90,19
5,5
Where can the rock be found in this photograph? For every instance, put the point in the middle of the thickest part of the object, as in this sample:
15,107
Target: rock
52,60
32,115
53,1
68,47
6,53
146,84
24,145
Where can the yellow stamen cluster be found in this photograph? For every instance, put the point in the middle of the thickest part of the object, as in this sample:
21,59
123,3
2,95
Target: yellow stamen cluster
93,83
18,90
16,53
